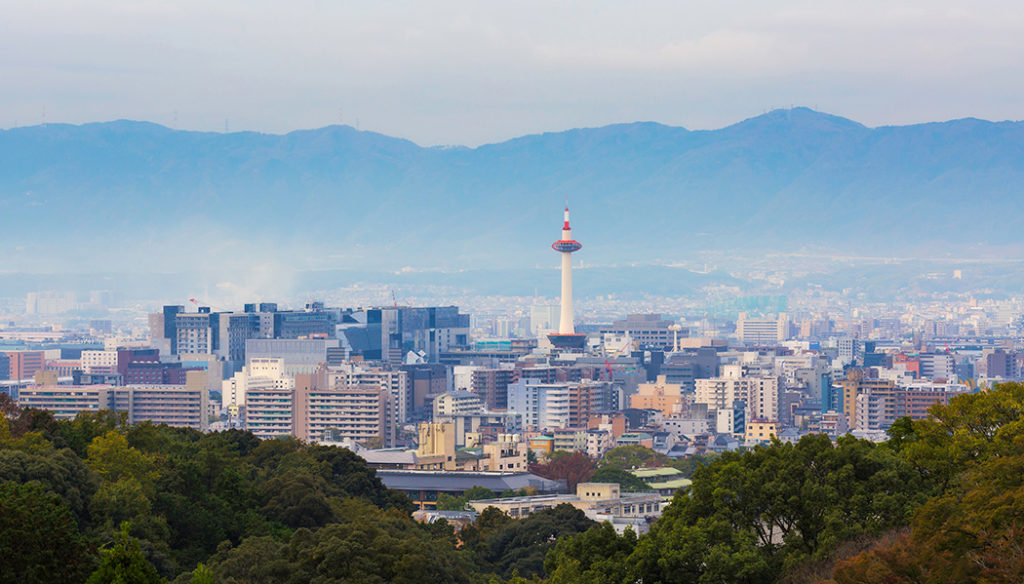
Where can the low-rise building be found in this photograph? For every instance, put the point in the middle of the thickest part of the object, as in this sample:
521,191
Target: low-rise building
599,501
760,431
660,395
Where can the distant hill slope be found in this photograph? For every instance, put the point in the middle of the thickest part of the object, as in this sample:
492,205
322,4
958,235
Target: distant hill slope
111,194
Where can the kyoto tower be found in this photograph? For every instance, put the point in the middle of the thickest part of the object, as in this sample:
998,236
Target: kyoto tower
566,337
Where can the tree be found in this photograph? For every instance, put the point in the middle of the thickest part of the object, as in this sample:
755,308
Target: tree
297,501
366,544
625,480
970,429
202,575
39,541
596,556
256,560
573,468
973,529
111,457
9,407
124,563
634,456
474,537
119,501
690,464
519,547
58,471
751,515
86,426
446,502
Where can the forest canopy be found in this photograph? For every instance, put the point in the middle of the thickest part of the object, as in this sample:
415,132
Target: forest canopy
97,500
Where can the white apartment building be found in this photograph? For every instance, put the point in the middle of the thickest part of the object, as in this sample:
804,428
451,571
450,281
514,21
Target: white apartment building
66,401
761,393
99,362
358,412
762,331
938,366
457,403
394,382
269,411
175,405
185,406
194,334
261,372
599,442
541,405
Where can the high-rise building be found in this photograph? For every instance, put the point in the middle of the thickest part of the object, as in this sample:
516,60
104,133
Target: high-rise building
762,331
857,383
185,406
646,330
234,329
49,302
25,364
492,386
395,382
270,410
315,321
427,381
760,394
260,373
560,405
299,355
543,317
390,334
195,334
361,411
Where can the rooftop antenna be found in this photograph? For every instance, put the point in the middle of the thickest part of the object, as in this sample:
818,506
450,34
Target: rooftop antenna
225,125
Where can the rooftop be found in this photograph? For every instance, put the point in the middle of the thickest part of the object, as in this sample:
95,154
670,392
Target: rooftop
457,481
662,471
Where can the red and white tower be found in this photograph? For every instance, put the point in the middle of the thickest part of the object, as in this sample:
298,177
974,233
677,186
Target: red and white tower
566,337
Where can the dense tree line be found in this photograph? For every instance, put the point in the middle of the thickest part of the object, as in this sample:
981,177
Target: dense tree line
97,500
941,501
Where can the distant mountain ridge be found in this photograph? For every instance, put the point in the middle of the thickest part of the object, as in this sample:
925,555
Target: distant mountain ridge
103,194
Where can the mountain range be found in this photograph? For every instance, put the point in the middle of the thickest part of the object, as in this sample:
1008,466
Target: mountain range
123,195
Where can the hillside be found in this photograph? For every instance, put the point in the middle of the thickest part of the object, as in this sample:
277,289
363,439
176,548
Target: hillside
119,194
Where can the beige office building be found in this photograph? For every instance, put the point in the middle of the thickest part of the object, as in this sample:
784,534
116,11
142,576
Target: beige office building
660,395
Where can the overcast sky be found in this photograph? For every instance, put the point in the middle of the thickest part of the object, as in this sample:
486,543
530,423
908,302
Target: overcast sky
474,72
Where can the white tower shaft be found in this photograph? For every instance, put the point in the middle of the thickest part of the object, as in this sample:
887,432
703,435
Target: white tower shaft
565,321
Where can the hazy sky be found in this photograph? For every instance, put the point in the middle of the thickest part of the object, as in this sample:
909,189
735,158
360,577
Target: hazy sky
475,71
